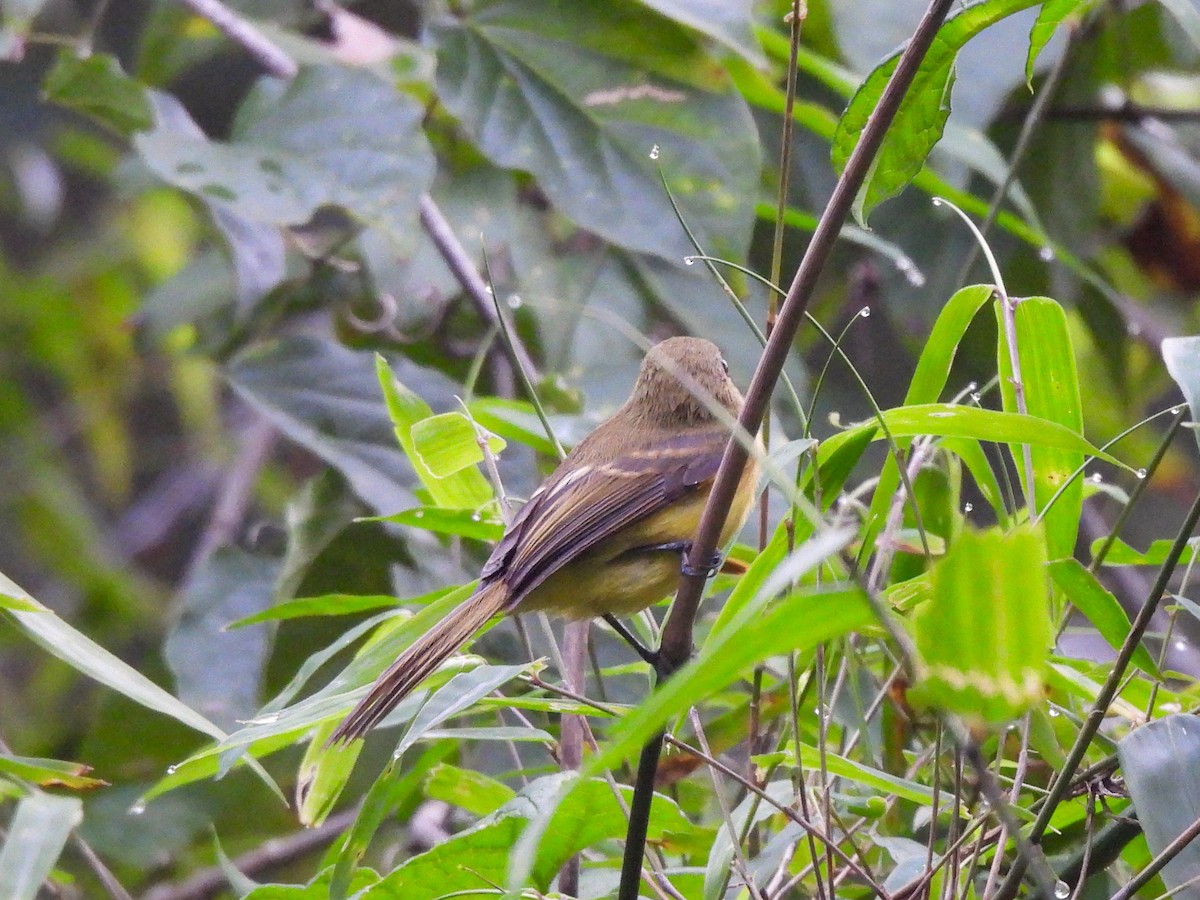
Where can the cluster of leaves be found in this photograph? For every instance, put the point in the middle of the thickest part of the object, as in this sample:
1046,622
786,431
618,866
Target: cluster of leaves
584,156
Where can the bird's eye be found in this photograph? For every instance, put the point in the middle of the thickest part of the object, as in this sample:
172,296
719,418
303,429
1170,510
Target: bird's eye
724,365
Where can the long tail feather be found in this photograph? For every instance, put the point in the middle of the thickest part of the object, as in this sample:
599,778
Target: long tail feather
420,660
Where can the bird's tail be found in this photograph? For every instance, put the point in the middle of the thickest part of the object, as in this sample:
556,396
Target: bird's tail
420,660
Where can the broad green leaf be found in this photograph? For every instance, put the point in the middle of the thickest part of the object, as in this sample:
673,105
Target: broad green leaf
59,639
300,145
725,21
1161,765
231,584
984,638
464,489
96,87
477,524
923,112
1089,596
580,94
326,398
797,622
1182,357
448,443
1053,13
36,837
517,421
473,791
50,772
1051,389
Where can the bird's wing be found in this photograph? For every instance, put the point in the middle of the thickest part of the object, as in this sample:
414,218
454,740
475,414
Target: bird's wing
578,509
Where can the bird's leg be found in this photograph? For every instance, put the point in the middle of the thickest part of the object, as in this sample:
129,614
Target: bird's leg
650,656
710,568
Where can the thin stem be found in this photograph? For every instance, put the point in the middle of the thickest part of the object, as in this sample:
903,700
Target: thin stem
1155,865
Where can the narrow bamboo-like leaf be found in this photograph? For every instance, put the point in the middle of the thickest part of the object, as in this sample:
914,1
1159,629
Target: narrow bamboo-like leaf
322,775
517,421
325,605
1121,554
390,791
1051,389
59,639
478,524
50,772
35,839
928,382
972,455
922,114
465,489
1161,765
20,604
984,637
472,791
1089,596
950,420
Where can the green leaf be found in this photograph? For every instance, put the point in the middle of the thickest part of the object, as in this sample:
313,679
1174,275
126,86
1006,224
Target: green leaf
326,398
473,791
1051,387
322,774
1121,554
952,420
458,694
59,639
1053,13
50,772
20,604
1161,765
36,837
579,94
1088,595
96,87
477,524
923,112
325,605
799,621
448,443
728,22
464,489
1187,17
984,637
231,584
1182,357
303,144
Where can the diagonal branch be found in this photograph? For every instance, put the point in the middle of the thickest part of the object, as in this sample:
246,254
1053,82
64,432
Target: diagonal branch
677,633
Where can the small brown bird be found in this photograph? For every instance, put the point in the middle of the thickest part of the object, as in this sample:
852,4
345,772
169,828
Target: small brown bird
604,533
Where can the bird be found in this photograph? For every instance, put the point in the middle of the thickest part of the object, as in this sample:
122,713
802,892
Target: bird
608,532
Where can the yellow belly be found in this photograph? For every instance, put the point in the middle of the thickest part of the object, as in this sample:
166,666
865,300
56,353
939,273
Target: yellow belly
617,578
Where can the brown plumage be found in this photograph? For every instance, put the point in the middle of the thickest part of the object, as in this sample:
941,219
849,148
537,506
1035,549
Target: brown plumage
589,540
